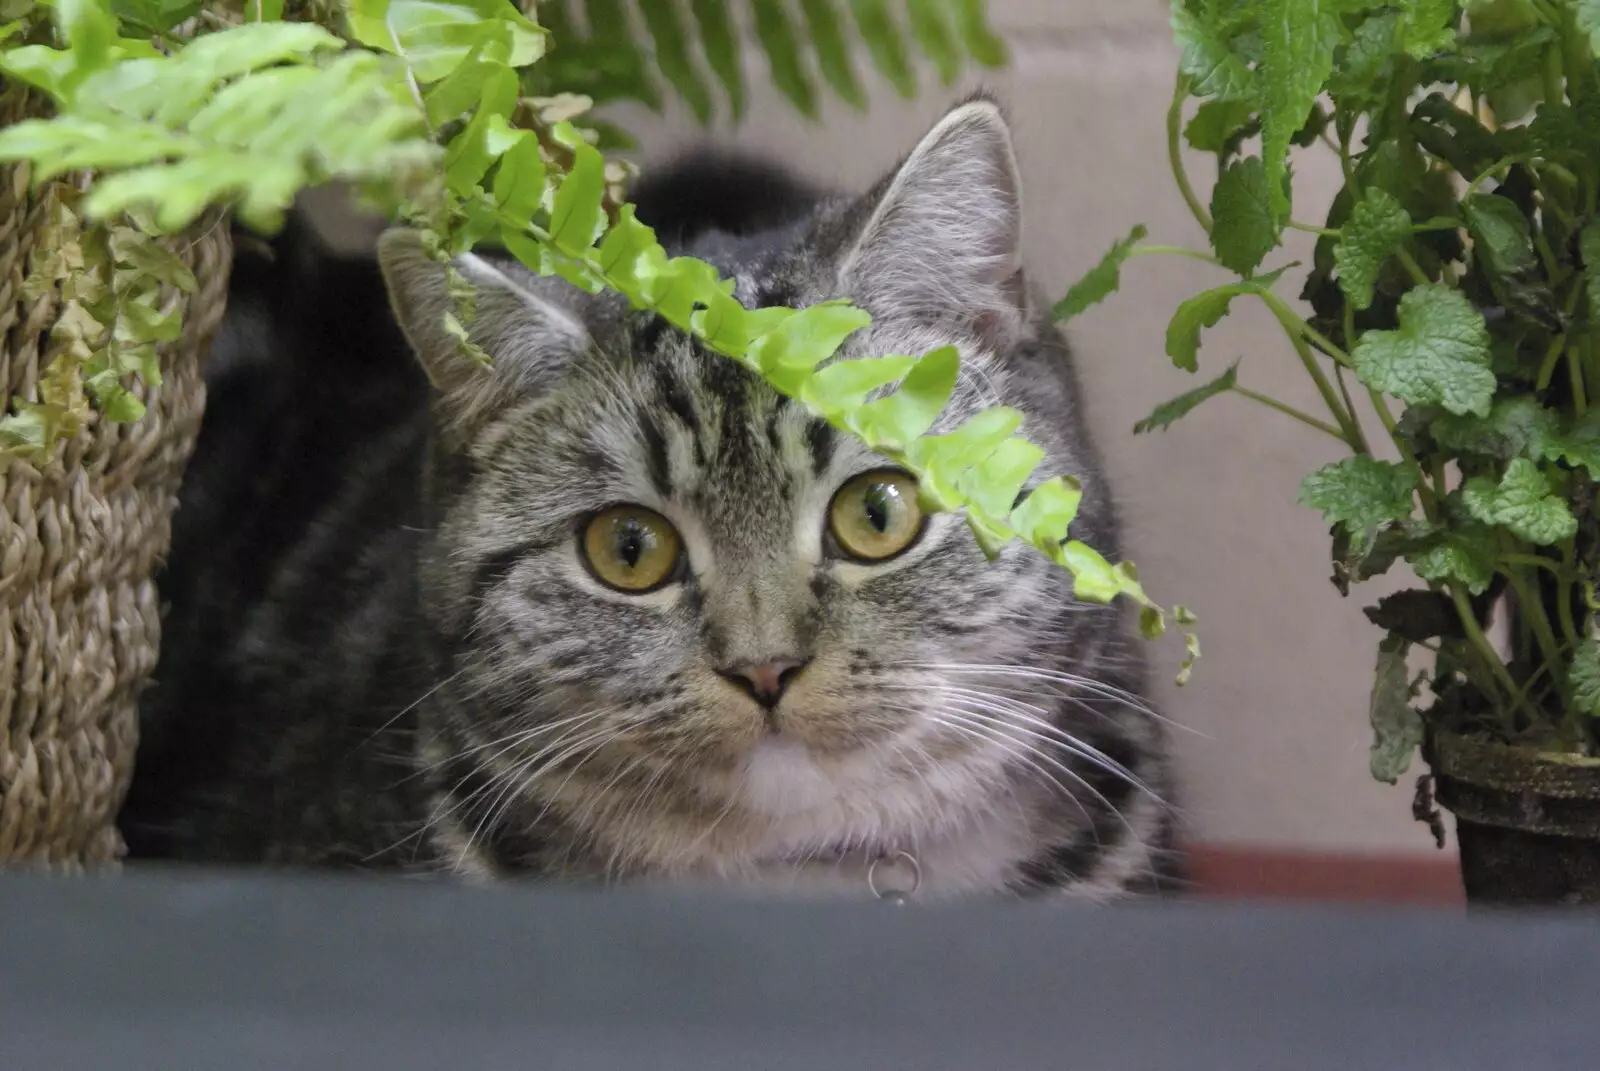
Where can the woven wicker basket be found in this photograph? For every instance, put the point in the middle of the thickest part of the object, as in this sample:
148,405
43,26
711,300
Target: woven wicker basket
80,538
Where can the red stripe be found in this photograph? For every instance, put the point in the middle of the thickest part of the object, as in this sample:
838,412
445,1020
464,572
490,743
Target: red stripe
1243,872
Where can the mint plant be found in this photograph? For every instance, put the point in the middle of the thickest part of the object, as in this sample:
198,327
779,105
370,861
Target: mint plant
467,120
1454,327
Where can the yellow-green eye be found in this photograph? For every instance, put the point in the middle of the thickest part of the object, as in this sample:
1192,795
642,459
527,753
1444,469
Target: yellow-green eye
631,548
875,516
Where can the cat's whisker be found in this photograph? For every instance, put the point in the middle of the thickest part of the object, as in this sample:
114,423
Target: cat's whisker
1053,735
641,805
1046,730
408,708
599,796
954,719
1070,680
588,747
973,716
1097,688
495,781
504,743
976,721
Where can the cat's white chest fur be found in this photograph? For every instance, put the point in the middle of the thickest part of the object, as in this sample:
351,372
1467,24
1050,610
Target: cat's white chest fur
826,824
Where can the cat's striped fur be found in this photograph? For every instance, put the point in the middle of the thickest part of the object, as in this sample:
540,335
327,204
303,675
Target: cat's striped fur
393,656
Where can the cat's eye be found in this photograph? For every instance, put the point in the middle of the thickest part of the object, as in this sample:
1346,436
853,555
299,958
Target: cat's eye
875,516
631,549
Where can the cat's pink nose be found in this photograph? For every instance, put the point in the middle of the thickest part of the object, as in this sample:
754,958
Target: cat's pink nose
765,681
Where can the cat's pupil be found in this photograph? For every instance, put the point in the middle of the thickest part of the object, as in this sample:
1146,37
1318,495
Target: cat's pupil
632,541
879,502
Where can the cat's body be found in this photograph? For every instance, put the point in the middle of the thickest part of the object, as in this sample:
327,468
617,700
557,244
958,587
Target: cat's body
406,650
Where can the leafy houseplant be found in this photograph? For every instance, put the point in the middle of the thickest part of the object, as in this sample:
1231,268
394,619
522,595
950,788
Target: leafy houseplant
467,121
1454,338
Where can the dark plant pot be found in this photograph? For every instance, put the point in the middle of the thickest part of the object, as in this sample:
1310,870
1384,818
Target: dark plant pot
1528,822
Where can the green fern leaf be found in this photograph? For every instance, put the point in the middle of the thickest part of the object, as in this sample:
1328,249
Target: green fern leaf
778,40
833,51
932,32
578,218
720,40
885,44
666,28
972,23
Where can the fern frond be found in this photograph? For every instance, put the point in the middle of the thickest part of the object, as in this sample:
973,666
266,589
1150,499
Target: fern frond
629,48
430,111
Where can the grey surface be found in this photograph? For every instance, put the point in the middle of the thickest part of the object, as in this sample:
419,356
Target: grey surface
235,973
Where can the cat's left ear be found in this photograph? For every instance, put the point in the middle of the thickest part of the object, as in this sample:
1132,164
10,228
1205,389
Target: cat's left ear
527,335
943,243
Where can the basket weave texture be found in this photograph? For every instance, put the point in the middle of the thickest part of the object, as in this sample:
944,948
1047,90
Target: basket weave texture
80,539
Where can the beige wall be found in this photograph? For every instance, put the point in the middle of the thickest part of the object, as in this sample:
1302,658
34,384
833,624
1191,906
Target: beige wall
1278,751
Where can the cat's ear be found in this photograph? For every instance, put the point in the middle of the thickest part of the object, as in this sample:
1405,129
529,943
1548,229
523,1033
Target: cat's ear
943,241
525,334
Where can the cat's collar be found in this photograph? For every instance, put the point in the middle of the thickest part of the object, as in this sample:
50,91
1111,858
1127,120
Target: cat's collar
894,877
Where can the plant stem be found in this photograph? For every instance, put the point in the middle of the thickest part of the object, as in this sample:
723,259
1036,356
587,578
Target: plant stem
1412,268
1580,400
1533,561
1180,93
1424,489
1299,329
1176,251
1311,228
1389,423
1547,367
1533,612
1575,45
1295,328
1542,244
1290,411
1350,407
1480,642
1564,593
1326,345
1554,88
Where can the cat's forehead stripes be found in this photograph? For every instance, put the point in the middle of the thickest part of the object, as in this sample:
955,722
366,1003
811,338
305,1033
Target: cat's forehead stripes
710,430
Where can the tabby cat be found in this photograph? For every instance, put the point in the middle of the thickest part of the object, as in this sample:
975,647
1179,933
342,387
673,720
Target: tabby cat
614,609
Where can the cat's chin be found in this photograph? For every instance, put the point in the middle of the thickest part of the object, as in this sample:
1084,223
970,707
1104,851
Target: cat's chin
807,797
782,777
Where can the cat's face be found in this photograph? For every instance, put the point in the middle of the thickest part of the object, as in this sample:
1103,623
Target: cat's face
698,623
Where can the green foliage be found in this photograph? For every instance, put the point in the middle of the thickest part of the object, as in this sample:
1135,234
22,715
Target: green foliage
1360,492
1438,354
694,46
1379,226
1578,446
1521,503
1456,278
458,116
1517,426
1246,229
1168,413
1298,40
1584,674
1462,553
250,116
1102,280
1396,726
1207,310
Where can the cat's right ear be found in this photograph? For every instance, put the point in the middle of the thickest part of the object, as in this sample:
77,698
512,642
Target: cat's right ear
526,335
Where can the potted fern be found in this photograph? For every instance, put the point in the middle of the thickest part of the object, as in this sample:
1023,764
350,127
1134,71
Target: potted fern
134,126
1453,334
